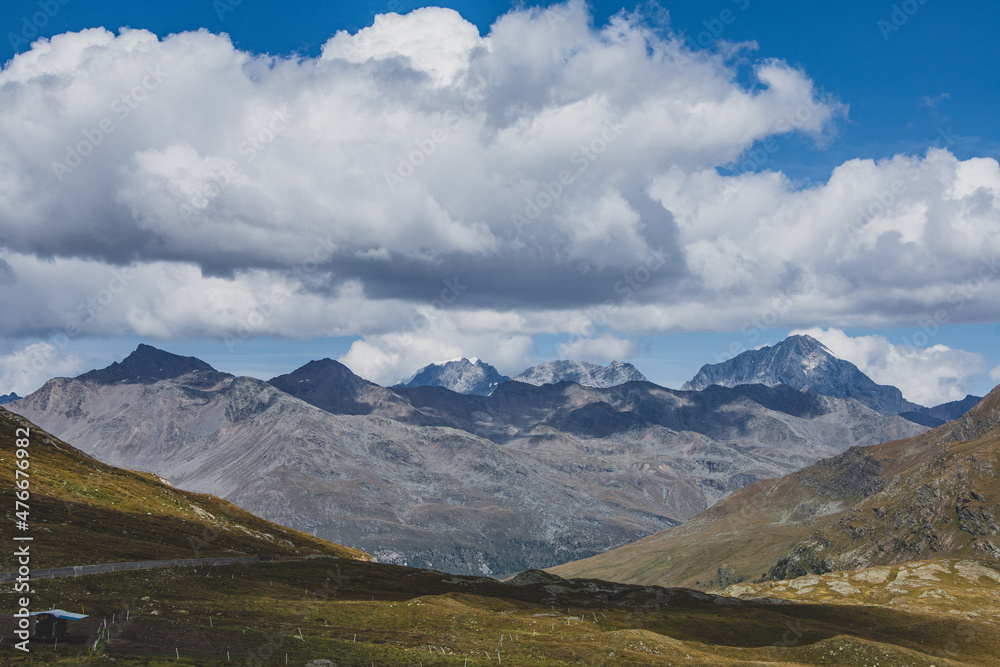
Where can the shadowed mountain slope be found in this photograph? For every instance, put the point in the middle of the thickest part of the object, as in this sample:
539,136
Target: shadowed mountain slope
332,386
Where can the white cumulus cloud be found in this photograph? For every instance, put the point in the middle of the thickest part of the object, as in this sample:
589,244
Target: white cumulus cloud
539,166
601,348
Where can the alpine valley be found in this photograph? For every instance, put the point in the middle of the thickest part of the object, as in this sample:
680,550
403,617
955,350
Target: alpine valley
494,481
293,599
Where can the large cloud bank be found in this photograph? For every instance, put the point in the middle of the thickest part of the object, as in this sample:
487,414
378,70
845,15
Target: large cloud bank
440,193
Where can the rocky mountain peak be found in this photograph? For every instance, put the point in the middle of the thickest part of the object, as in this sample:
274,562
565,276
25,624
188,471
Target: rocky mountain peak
146,365
581,372
323,377
332,386
464,376
806,364
325,368
7,398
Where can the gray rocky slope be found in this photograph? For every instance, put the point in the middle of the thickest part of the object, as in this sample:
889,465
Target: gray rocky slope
581,372
527,477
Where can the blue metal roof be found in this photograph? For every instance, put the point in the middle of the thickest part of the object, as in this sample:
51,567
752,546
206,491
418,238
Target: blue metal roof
59,613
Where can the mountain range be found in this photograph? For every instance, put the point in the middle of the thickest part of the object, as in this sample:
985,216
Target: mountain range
930,496
474,376
528,476
7,398
799,361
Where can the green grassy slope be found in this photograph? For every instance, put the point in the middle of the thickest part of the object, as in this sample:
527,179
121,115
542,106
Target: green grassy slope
355,613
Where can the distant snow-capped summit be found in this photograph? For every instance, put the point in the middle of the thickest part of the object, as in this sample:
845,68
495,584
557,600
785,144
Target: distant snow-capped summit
581,372
462,375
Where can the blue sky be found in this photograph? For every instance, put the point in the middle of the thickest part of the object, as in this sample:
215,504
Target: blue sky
882,80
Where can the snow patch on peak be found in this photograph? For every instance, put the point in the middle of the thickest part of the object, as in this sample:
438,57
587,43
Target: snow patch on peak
581,372
462,375
472,360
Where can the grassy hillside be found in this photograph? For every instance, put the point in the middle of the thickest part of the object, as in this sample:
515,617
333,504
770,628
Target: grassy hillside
355,613
85,512
930,496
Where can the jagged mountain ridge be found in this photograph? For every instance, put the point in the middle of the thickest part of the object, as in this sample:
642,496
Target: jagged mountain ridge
804,363
464,376
579,470
943,413
428,495
518,410
933,495
7,398
581,372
